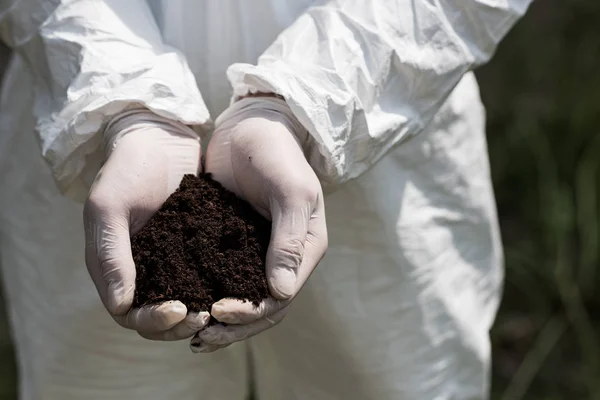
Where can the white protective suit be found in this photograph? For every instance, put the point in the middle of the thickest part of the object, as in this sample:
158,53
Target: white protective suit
400,307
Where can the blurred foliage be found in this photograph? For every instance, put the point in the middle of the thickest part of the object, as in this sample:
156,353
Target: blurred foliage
542,93
8,374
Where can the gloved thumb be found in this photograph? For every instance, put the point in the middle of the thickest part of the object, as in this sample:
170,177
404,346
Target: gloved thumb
108,258
286,249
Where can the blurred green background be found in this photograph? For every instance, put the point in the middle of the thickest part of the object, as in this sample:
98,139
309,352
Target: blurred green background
542,93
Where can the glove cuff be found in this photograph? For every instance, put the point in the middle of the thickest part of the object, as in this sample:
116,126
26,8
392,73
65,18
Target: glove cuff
136,118
261,105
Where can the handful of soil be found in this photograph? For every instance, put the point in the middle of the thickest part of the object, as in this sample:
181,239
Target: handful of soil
203,244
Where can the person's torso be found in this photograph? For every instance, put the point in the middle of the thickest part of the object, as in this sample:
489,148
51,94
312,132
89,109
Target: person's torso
214,34
429,202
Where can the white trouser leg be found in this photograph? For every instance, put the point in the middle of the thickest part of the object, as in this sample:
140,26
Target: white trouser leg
401,306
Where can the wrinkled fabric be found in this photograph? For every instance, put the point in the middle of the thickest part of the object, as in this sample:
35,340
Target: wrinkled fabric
362,77
401,305
90,60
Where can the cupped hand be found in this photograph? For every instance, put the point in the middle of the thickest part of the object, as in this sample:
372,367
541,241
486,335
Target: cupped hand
147,156
256,152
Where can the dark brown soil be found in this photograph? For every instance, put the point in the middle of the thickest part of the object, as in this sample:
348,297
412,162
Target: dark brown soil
204,244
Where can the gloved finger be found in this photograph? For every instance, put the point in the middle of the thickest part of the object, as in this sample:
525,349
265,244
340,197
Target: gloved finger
108,254
226,334
316,243
235,311
153,318
207,348
286,248
198,346
193,322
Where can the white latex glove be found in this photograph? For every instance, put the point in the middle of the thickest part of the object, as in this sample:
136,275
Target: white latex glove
256,152
147,155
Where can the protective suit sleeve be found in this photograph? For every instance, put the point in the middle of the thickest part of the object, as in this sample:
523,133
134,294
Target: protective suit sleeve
92,60
362,76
